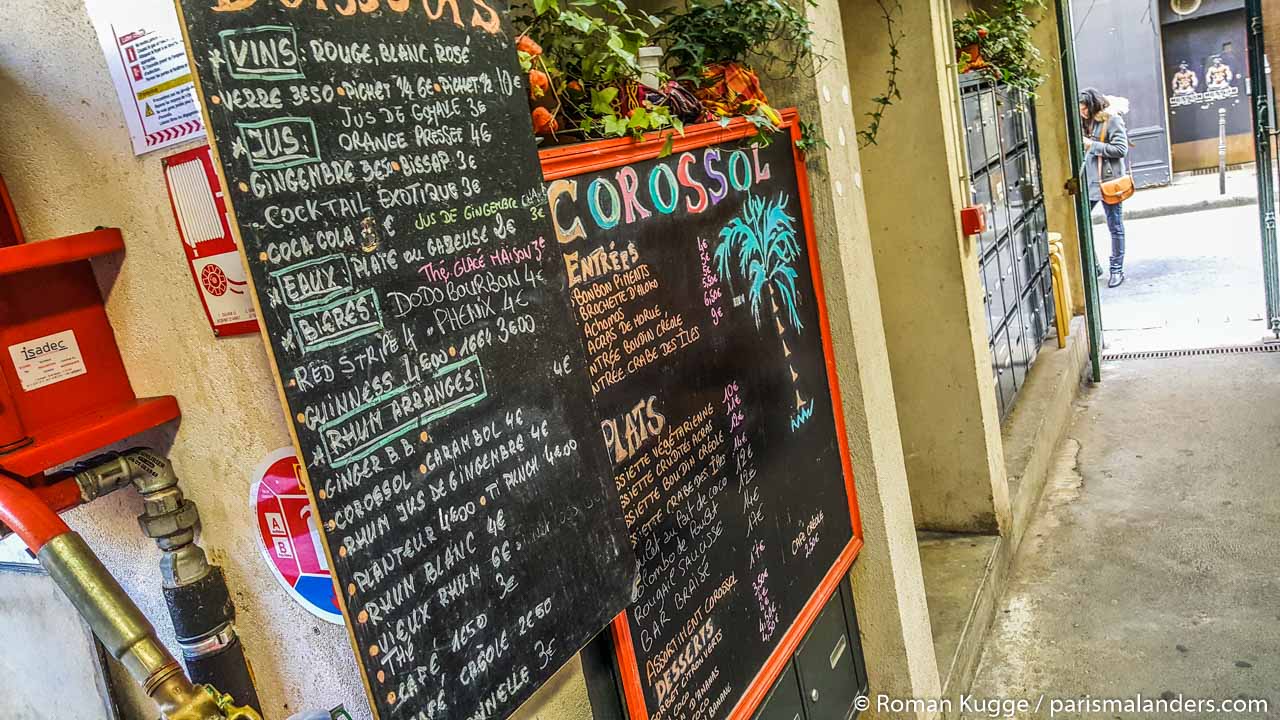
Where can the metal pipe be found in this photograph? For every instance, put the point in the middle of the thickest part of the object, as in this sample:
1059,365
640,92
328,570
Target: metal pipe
126,633
123,629
107,609
60,496
195,591
1222,151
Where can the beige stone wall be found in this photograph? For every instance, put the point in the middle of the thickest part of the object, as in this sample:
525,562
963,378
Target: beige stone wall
888,587
927,273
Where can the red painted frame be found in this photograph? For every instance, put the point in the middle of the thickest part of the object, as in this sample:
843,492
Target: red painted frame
569,160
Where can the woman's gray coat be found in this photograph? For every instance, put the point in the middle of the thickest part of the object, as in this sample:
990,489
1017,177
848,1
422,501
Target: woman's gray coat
1112,148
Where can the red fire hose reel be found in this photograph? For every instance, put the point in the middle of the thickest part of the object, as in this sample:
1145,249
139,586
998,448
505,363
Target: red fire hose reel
64,391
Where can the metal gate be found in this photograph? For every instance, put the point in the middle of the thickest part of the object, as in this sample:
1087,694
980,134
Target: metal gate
1260,92
1071,88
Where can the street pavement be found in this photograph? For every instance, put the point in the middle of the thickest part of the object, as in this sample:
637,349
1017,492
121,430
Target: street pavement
1193,280
1150,567
1191,193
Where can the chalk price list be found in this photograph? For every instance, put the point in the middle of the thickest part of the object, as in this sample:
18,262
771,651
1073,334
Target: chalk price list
403,270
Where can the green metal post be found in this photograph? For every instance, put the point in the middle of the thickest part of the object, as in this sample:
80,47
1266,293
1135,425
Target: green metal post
1075,138
1262,155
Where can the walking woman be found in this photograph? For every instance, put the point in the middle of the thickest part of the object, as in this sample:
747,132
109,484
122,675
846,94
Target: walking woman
1106,143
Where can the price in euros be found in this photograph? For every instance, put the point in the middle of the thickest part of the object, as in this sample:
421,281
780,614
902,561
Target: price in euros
496,524
466,161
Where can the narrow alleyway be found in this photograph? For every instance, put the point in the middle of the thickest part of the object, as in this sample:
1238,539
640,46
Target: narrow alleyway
1151,565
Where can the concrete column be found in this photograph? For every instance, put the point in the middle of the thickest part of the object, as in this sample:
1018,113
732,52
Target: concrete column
1055,152
927,270
888,586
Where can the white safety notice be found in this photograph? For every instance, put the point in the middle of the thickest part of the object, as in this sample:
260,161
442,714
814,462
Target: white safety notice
148,62
47,360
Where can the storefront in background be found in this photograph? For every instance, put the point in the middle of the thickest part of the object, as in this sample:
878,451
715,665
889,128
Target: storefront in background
1207,74
1177,62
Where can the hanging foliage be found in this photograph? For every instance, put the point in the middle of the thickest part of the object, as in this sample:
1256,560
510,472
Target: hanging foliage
770,35
998,41
583,69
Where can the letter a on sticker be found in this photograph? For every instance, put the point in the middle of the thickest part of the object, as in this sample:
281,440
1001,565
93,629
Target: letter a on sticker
275,524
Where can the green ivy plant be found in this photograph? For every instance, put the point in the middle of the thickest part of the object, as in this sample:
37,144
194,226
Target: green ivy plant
1002,36
811,138
774,35
589,51
880,103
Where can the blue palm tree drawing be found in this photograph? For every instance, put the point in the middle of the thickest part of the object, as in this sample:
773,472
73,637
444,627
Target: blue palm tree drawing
763,241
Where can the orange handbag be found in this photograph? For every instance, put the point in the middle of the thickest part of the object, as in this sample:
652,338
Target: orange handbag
1115,191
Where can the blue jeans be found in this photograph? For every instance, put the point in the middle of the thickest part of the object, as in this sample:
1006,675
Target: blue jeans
1115,223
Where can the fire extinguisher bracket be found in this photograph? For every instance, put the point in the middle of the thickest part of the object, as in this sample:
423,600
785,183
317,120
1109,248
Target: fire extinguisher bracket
65,392
60,251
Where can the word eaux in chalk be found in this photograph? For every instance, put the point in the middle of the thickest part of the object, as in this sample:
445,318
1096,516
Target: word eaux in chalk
314,281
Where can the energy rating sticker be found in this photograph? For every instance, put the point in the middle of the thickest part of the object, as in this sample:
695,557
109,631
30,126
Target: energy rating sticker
288,536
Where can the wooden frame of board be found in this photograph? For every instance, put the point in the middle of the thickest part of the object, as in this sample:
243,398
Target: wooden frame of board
569,160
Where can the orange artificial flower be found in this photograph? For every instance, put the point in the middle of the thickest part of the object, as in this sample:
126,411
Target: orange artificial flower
544,123
538,83
525,44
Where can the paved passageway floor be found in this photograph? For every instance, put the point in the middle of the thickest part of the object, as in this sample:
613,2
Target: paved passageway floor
1153,563
1194,280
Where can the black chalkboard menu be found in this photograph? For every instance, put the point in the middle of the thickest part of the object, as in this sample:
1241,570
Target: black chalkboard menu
694,282
383,175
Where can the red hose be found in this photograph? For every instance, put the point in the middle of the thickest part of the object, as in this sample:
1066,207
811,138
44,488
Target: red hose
27,515
60,496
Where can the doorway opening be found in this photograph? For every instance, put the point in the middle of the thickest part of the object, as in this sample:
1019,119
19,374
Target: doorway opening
1179,71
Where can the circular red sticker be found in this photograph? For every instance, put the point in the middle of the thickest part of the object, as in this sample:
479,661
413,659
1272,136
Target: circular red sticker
214,280
289,534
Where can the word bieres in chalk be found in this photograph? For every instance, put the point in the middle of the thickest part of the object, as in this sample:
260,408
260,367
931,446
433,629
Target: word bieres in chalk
482,15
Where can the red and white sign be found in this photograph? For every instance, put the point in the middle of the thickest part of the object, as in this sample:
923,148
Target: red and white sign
289,535
147,59
201,211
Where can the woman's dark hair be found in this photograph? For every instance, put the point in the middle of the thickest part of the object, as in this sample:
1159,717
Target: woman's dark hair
1095,102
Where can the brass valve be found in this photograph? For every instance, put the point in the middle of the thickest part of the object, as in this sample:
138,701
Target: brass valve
230,711
205,703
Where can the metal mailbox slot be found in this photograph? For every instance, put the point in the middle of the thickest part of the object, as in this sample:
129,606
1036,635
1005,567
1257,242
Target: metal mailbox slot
784,701
829,661
973,134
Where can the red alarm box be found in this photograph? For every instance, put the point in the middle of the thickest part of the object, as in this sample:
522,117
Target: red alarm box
973,220
65,392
